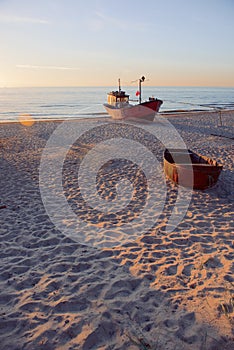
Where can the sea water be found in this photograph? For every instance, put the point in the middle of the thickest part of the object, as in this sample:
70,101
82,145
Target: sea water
79,102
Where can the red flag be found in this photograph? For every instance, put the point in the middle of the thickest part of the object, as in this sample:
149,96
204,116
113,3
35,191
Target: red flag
137,93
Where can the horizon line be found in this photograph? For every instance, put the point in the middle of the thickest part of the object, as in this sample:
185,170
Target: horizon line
102,86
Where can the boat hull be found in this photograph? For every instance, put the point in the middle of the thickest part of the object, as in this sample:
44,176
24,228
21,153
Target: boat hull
144,111
203,170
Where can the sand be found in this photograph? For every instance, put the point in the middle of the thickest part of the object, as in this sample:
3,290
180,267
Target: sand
156,290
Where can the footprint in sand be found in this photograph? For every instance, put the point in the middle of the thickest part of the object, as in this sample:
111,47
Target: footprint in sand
186,323
187,270
171,270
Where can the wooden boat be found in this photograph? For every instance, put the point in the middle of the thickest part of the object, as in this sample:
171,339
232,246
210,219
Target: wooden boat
118,106
189,169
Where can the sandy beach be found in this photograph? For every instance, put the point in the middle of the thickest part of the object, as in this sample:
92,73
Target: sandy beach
122,290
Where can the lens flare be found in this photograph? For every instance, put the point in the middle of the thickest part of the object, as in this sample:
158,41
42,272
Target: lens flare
26,119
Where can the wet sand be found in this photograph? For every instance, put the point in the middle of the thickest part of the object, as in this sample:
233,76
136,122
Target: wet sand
158,290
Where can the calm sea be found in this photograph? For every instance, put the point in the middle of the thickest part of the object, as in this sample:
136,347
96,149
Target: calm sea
80,102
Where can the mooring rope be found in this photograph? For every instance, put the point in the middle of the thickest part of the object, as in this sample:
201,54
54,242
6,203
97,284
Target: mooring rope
194,104
213,108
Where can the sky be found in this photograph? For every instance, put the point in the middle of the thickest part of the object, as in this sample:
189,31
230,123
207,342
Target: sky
95,42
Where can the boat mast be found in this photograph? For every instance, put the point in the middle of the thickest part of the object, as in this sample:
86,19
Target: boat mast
141,80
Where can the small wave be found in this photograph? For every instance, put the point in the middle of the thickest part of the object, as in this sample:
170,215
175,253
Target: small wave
61,105
219,105
93,113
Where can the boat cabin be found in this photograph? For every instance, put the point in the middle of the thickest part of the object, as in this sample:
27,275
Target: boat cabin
117,97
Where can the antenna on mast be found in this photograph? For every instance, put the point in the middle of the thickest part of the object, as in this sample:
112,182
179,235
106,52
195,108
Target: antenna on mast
119,85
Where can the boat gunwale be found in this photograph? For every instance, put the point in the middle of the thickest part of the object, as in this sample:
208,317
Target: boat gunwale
209,164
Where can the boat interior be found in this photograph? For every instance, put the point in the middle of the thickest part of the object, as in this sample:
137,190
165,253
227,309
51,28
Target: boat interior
181,157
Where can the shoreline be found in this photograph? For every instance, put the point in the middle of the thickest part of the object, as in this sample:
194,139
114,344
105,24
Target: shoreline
169,113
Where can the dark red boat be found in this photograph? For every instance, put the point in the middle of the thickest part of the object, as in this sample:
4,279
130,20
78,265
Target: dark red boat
188,169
